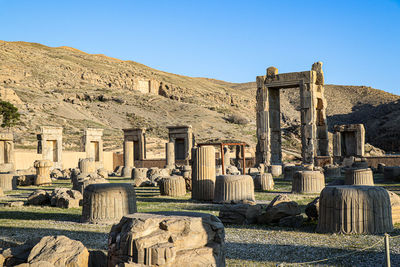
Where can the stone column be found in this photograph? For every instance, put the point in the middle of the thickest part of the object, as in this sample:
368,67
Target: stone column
128,159
42,172
308,127
263,155
170,155
203,174
360,137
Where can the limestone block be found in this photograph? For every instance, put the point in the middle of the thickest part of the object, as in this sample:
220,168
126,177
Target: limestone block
39,197
354,209
230,188
83,181
280,207
173,186
359,177
239,213
332,171
8,181
87,165
308,182
60,251
290,170
42,171
203,174
276,170
167,239
107,203
140,173
264,182
391,173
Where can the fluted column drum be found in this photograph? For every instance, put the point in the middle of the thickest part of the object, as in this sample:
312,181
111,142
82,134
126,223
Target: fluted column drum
87,165
354,209
234,188
7,181
359,177
276,170
42,171
173,186
107,203
264,182
308,182
203,173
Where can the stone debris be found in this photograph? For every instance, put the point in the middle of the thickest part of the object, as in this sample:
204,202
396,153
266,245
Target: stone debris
173,186
312,209
167,239
65,198
39,197
280,207
308,182
240,213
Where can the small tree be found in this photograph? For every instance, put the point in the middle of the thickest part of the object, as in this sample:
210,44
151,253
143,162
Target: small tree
9,113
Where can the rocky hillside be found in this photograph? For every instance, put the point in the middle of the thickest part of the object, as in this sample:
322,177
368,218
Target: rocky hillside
67,87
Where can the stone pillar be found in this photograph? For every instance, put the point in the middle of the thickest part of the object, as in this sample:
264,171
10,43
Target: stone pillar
173,186
203,174
170,155
8,181
42,172
275,126
263,151
128,159
7,155
359,177
308,182
308,127
87,166
107,203
264,182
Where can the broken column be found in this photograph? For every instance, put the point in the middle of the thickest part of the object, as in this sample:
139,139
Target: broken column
107,203
43,172
134,148
234,188
93,145
7,155
314,130
203,174
308,181
173,186
170,155
50,145
356,176
263,182
7,182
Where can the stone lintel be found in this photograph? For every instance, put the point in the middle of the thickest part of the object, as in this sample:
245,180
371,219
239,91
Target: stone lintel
6,136
290,80
348,128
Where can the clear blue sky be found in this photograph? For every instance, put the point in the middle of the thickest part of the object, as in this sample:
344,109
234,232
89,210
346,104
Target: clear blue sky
358,41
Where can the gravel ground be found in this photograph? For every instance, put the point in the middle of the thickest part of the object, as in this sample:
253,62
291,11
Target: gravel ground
245,245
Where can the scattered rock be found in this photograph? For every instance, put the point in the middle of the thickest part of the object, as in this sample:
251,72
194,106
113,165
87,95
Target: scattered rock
17,255
16,204
239,213
292,221
60,251
65,198
56,174
39,197
280,207
312,209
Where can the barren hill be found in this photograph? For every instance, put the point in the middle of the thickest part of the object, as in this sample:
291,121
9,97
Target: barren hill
67,87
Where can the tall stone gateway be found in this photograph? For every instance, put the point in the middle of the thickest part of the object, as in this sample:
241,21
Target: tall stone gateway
182,137
314,128
92,143
50,145
134,148
203,174
7,156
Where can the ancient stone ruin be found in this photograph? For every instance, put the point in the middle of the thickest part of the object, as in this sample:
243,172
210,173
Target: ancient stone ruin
43,172
7,182
308,181
173,186
50,145
354,210
263,182
93,145
314,129
203,174
167,239
134,148
7,155
183,139
348,140
170,155
355,176
107,203
233,188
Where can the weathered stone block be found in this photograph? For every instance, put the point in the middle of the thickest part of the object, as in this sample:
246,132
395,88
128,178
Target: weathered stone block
354,210
230,188
264,182
359,177
8,181
308,182
42,171
173,186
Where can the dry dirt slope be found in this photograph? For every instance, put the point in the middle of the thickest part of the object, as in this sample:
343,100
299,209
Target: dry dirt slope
67,87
